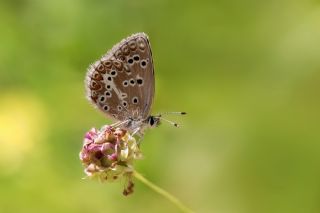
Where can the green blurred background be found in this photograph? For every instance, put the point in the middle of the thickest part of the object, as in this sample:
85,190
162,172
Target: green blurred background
247,72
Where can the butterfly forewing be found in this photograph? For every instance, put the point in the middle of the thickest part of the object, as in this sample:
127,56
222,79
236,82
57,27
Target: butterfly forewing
121,83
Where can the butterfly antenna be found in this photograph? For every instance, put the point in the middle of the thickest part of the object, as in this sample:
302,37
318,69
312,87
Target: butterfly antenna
171,122
168,113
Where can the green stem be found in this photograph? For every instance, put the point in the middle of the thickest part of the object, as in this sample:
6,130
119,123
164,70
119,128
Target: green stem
162,192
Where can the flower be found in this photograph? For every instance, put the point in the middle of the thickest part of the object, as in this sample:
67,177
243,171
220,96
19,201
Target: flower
108,155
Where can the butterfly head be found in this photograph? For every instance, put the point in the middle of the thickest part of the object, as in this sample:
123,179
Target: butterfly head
153,121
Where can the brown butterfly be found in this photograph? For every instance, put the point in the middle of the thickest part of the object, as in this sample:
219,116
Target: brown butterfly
122,84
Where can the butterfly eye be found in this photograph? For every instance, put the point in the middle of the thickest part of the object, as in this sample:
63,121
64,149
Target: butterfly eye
151,121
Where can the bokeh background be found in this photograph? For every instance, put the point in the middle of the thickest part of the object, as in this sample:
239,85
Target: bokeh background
247,72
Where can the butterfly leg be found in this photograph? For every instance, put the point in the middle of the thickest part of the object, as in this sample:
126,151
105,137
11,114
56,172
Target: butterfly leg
119,123
136,131
115,124
140,137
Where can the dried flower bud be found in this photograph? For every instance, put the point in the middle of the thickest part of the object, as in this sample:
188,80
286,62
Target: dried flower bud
119,133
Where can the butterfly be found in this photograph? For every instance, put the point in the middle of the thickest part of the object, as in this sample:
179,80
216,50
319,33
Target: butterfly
122,84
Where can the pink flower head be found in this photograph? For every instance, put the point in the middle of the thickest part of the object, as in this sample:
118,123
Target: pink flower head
108,154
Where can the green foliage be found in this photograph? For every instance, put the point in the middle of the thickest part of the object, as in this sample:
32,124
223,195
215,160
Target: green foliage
247,73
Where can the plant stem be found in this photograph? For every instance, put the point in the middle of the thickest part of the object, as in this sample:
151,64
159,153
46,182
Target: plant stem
162,192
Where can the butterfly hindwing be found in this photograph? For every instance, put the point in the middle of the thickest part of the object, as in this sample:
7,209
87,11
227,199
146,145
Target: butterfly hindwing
121,83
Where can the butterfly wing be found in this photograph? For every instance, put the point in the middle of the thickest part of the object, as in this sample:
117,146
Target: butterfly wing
121,83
